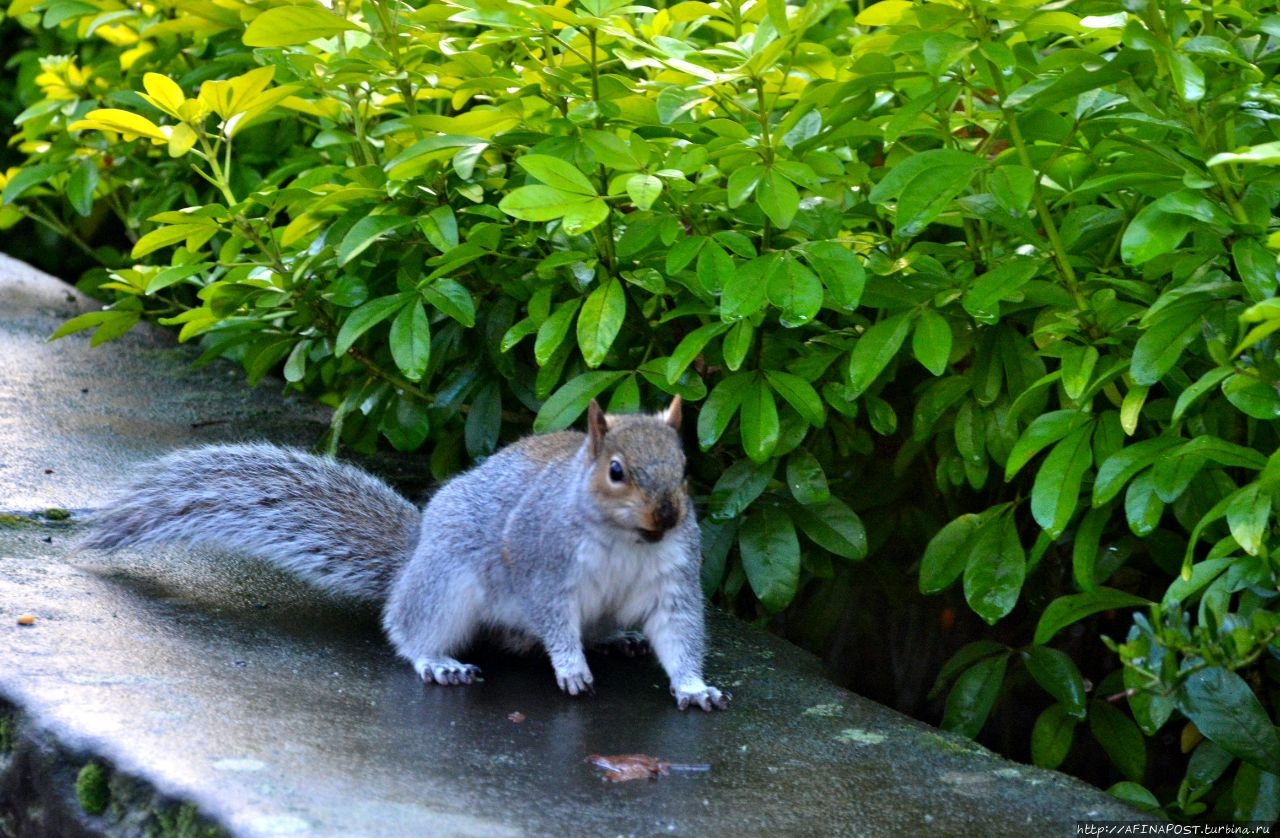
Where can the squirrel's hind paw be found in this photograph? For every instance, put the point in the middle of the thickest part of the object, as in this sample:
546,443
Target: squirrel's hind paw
707,697
446,671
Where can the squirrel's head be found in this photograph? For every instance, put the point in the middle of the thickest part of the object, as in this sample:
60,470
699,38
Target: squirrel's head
638,471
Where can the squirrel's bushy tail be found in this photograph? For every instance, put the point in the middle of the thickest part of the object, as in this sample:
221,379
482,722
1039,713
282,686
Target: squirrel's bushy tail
328,523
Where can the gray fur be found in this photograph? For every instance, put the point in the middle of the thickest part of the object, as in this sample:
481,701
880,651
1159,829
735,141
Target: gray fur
326,522
534,545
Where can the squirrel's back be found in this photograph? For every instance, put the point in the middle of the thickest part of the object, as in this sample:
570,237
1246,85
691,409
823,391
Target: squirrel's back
327,522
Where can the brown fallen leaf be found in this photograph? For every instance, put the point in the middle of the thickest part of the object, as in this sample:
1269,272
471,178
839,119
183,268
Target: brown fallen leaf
624,767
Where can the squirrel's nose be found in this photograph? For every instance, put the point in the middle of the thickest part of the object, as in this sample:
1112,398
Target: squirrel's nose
667,515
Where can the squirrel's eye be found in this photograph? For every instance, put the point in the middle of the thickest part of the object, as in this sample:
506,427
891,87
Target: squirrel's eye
617,473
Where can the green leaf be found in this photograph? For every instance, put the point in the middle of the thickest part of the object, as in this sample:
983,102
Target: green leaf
806,479
81,186
643,190
452,298
745,293
1120,738
974,695
875,349
28,177
1169,332
777,198
558,174
736,488
720,407
1044,430
546,203
411,340
1068,610
758,423
796,291
927,195
770,556
285,26
570,401
995,570
600,320
364,318
1203,385
1152,232
1256,266
840,271
1142,505
1252,396
834,527
367,230
1058,675
982,299
742,184
1052,736
737,343
1248,516
1121,466
1223,708
948,552
799,394
931,341
691,347
1056,491
554,330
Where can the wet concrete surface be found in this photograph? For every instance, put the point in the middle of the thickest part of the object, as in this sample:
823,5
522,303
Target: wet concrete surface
277,711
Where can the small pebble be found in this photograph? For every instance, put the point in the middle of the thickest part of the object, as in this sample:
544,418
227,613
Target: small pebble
27,620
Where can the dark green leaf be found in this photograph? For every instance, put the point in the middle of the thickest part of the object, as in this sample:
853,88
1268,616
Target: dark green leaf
411,340
875,349
758,422
948,552
1120,738
1051,737
1058,675
770,556
600,320
806,479
367,230
1056,491
570,401
365,318
974,695
834,527
739,485
931,341
1068,610
996,569
799,394
720,407
1228,713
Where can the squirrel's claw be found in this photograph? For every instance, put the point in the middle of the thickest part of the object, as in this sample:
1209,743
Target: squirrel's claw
576,683
708,698
448,672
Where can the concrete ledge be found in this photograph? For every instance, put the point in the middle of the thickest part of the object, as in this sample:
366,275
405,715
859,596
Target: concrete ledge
271,710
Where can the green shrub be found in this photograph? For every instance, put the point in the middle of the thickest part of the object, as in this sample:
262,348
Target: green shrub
997,278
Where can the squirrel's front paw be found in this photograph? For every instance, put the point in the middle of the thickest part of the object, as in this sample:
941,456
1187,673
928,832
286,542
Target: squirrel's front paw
576,681
701,695
446,671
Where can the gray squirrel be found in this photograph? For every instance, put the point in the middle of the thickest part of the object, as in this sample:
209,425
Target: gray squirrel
557,539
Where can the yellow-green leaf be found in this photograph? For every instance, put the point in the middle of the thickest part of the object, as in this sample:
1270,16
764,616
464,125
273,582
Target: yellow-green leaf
122,122
289,25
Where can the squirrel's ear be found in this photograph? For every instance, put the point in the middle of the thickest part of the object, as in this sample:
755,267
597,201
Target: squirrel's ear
672,414
597,427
